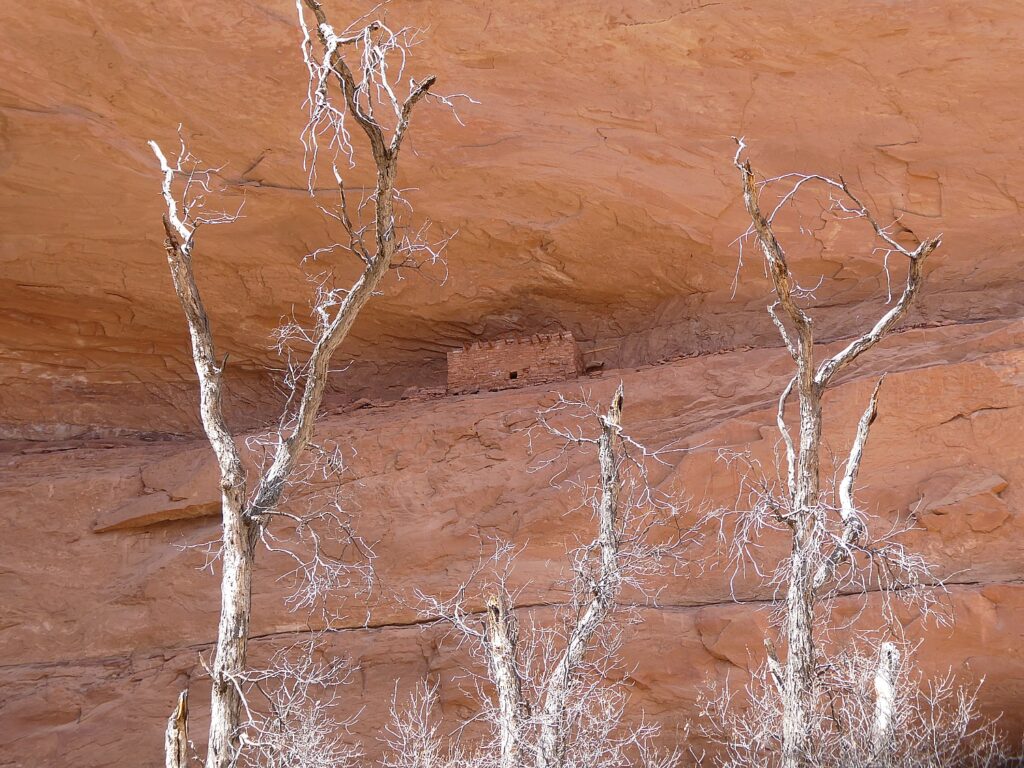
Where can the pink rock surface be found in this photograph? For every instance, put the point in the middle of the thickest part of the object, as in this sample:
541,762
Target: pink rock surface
593,192
592,187
102,628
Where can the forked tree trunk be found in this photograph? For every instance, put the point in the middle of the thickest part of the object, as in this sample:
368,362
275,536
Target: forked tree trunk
809,571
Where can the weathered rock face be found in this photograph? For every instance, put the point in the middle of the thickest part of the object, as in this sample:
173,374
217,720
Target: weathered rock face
593,192
107,615
592,187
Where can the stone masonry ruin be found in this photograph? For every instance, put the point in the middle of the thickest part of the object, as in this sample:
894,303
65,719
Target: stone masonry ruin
507,363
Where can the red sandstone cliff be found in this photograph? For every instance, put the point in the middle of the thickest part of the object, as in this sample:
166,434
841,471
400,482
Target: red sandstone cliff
593,192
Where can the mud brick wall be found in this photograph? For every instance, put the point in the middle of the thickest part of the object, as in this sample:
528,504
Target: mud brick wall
507,363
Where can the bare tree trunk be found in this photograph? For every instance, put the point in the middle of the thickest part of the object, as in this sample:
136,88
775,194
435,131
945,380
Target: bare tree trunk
237,555
176,735
798,680
797,689
501,640
551,741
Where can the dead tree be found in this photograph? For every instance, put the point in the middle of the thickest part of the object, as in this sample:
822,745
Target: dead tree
544,696
808,571
365,64
832,550
604,590
501,642
879,712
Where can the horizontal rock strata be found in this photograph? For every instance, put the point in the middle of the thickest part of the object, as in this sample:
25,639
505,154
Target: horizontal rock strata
105,623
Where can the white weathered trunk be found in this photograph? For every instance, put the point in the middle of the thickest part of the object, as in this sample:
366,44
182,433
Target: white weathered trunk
237,556
885,703
513,710
176,735
551,745
798,678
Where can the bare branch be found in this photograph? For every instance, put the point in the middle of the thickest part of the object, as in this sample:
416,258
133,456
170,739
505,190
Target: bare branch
853,525
778,269
860,345
856,454
780,421
178,246
775,667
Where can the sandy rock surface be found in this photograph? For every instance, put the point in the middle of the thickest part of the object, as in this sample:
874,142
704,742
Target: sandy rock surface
106,622
593,192
592,187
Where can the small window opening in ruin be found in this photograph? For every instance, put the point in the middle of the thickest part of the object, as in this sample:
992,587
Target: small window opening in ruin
517,362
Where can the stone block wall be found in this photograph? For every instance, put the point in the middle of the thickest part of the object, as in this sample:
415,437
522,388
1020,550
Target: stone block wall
507,363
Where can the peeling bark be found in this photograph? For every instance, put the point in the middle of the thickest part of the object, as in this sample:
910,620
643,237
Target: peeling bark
176,735
501,639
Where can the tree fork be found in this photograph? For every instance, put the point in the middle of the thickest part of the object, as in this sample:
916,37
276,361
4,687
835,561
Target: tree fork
243,515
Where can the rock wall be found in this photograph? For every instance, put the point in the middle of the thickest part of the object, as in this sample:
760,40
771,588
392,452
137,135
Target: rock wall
105,622
592,190
591,187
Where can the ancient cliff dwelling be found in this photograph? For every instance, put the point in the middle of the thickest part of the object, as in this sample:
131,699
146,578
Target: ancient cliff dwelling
286,484
514,362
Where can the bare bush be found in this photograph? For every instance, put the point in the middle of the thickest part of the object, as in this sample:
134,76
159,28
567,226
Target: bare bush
413,737
550,693
870,709
295,717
